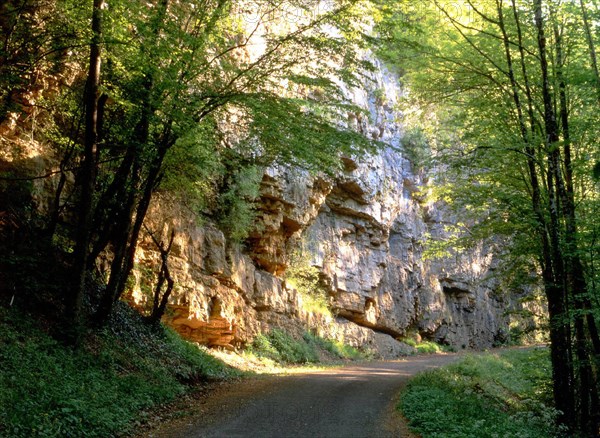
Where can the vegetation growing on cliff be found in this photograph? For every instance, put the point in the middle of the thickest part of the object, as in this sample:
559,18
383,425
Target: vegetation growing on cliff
283,348
305,278
196,97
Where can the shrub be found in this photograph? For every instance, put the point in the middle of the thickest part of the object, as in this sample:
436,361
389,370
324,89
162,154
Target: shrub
490,395
411,342
305,278
279,346
99,389
428,347
292,350
282,347
262,347
337,348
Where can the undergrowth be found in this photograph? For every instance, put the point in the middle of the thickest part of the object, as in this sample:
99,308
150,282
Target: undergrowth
305,278
336,348
100,389
281,347
428,347
493,395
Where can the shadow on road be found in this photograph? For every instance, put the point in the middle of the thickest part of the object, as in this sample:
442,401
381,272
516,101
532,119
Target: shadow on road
355,401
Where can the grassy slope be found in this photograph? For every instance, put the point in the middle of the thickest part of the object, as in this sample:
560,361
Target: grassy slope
120,374
118,377
99,390
282,348
493,395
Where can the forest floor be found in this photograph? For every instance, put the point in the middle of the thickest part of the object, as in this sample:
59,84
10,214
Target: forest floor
353,401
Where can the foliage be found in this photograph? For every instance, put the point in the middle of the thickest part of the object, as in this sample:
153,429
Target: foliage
305,278
279,346
427,347
27,48
507,394
304,133
410,341
416,147
98,390
236,214
336,348
192,169
519,86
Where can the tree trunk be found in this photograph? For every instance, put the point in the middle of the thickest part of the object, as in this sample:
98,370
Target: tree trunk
575,276
564,392
528,92
159,304
87,177
592,47
128,231
111,207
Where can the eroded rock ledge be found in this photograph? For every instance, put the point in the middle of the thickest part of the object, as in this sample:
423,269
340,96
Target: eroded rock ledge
364,230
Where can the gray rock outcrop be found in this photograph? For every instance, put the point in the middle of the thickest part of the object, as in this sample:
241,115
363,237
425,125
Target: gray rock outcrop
364,230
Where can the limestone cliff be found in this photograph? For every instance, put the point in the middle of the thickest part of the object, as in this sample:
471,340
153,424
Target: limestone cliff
363,229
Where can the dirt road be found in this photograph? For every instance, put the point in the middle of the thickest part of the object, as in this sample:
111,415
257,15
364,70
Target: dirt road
355,401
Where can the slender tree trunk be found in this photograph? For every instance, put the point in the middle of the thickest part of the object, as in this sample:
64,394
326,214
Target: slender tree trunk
128,232
591,46
132,217
56,208
556,291
578,271
122,232
575,276
511,73
552,266
580,287
87,175
111,208
151,183
530,111
161,299
123,262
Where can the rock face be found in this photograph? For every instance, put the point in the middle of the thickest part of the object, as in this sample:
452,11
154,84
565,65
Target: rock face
364,230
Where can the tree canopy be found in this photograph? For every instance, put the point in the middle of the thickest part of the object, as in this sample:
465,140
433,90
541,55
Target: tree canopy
195,97
512,92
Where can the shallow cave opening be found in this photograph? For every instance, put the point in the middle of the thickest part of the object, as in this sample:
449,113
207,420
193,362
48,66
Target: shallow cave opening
369,303
455,291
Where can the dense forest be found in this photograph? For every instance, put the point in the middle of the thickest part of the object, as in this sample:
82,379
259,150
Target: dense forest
197,97
512,90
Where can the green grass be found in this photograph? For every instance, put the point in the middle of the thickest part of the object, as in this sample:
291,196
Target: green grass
98,390
428,347
336,348
493,395
281,347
